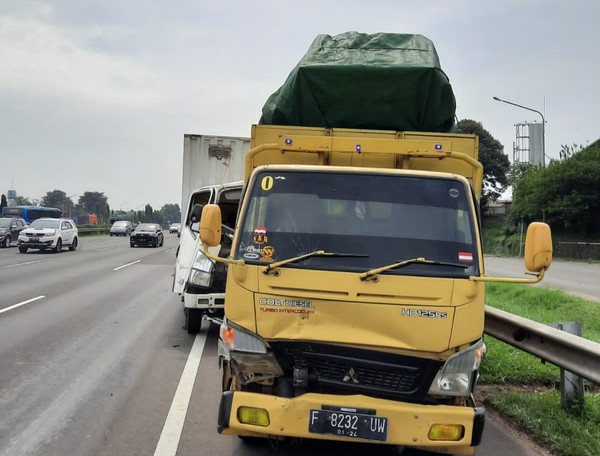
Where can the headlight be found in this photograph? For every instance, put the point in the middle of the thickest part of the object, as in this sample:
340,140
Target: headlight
50,233
458,375
237,339
202,269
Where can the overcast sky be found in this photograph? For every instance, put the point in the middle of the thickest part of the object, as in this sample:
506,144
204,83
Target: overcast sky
96,95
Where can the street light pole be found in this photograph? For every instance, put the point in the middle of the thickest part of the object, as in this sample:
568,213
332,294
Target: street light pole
543,126
71,205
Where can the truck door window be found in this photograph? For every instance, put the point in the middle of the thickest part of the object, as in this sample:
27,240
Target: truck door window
202,198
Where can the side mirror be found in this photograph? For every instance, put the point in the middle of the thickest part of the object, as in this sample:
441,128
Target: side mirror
196,213
210,225
538,247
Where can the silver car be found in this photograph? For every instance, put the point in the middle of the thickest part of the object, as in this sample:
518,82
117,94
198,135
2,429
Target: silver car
121,228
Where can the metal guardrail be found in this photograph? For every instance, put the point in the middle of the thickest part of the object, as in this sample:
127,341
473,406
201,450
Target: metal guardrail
100,230
573,353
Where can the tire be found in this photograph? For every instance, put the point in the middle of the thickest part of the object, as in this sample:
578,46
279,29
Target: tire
22,249
6,243
131,244
73,246
193,320
110,234
58,247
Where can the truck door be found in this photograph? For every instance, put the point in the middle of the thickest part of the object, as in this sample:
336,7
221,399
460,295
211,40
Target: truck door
189,241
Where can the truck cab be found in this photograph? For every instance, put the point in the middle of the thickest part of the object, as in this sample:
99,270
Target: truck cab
355,298
198,280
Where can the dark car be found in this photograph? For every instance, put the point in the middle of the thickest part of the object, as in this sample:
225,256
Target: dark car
147,234
10,227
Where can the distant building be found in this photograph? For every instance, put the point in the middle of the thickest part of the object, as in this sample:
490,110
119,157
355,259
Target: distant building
497,208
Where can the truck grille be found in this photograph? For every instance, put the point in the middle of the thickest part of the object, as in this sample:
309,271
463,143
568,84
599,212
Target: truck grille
357,371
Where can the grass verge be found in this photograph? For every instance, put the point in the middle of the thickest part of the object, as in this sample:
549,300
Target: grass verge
519,386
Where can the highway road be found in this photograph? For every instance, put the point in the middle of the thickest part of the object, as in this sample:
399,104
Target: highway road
578,278
94,361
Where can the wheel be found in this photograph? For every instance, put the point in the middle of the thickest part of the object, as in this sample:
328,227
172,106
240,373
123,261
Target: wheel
110,234
131,244
73,246
193,320
6,243
58,247
23,249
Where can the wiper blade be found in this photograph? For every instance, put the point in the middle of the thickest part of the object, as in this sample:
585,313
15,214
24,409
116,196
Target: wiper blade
372,272
321,253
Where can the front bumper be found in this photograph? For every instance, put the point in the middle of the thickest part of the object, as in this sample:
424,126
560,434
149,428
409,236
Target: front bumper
208,301
144,241
37,243
408,424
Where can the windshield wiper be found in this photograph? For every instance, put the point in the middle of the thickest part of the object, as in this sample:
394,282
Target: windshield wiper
321,253
372,272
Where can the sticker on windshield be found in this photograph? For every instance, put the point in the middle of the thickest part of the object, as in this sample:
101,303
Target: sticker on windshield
260,235
267,253
465,257
267,183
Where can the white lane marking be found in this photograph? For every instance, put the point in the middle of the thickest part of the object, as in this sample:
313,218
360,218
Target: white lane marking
125,265
103,249
170,249
171,433
23,264
22,304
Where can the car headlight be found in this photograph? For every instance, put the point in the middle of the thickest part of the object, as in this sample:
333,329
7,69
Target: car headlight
50,233
3,231
458,375
235,338
202,271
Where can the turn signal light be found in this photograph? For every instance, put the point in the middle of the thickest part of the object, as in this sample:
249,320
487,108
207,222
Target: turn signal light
252,415
227,336
449,432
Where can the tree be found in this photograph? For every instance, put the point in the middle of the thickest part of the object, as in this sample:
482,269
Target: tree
171,213
58,199
95,203
566,194
23,201
3,202
496,164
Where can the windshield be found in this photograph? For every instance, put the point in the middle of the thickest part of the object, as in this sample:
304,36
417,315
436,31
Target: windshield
44,223
5,223
146,227
382,219
121,224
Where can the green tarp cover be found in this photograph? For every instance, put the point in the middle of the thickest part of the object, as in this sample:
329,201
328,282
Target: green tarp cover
384,81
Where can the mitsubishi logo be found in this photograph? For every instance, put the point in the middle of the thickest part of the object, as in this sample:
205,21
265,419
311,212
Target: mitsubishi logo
350,376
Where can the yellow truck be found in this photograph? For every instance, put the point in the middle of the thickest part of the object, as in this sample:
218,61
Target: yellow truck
354,305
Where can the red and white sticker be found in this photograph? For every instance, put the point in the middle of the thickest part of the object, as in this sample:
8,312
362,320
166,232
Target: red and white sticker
260,230
465,257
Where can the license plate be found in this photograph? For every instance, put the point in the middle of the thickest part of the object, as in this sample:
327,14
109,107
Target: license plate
348,424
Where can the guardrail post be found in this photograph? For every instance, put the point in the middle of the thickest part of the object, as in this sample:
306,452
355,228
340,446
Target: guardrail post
571,385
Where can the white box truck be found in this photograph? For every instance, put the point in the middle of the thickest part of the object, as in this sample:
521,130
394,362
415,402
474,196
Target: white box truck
213,168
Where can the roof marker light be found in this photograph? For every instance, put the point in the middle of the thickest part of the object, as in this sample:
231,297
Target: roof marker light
438,147
288,141
358,148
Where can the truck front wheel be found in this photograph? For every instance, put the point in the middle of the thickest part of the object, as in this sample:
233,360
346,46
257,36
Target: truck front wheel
193,320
